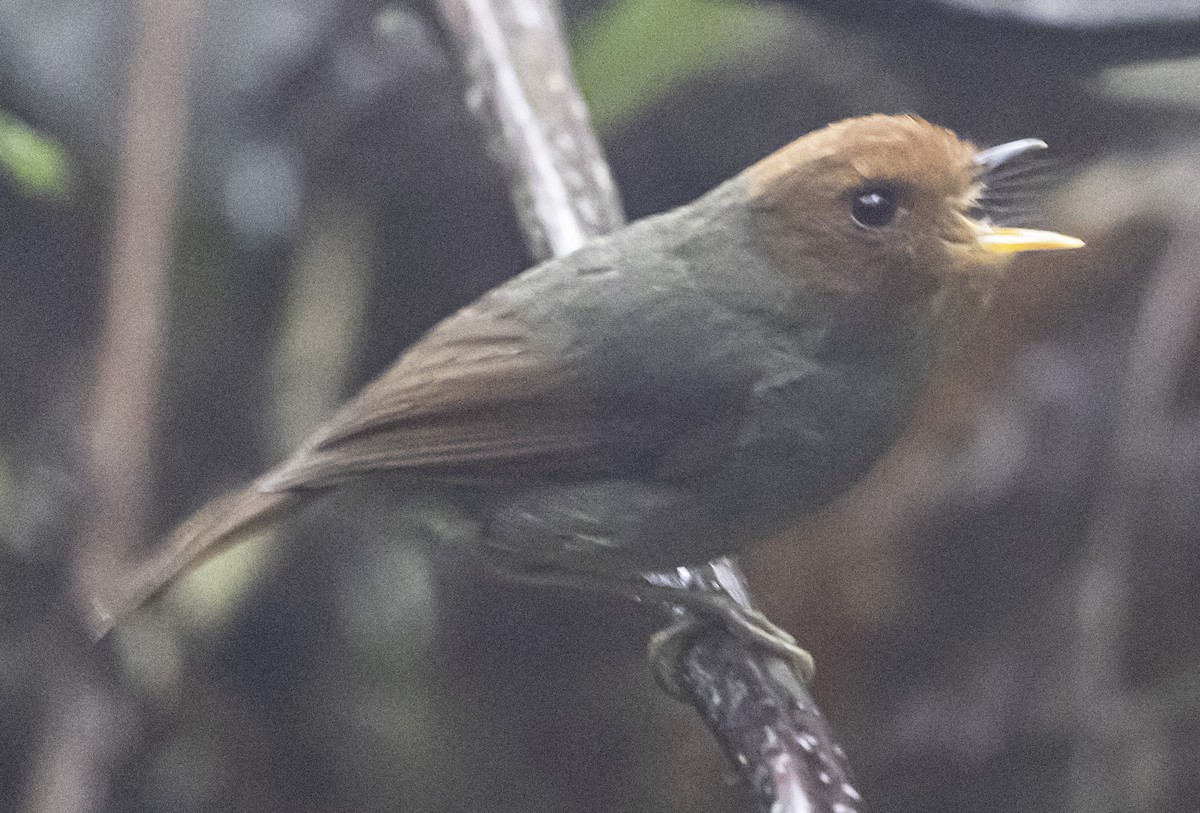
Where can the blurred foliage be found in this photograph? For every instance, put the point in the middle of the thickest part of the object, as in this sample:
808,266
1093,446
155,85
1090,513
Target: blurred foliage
1168,81
37,163
631,53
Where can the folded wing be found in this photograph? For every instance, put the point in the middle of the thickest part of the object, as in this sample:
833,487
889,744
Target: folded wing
476,392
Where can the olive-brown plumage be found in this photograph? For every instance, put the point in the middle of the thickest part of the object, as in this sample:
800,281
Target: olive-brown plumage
682,388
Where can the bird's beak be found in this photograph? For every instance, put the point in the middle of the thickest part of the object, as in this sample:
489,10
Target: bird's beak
987,160
998,240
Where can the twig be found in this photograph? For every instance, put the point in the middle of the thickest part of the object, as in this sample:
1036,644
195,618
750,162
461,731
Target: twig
125,385
519,82
87,730
84,737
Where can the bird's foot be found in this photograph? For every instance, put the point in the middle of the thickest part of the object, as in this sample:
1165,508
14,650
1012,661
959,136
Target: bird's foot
668,646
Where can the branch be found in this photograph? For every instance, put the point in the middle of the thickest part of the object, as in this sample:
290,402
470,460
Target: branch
124,400
519,83
521,86
87,729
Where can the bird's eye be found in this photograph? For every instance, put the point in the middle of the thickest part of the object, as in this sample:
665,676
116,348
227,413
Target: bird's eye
873,208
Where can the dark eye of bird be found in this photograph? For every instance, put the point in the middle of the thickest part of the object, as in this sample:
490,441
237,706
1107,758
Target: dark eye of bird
873,208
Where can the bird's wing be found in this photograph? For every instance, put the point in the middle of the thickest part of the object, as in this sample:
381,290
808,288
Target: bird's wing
474,396
476,393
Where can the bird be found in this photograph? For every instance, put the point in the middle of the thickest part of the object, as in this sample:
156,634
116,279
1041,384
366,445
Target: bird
680,389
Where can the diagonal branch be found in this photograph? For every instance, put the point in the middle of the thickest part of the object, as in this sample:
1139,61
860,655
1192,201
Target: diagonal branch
519,83
521,86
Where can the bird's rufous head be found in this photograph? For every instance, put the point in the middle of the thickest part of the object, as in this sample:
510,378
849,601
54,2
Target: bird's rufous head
871,201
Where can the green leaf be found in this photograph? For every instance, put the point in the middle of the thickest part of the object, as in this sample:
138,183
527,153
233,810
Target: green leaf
37,163
634,51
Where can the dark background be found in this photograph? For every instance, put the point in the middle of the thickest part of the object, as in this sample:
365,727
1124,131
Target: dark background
1005,616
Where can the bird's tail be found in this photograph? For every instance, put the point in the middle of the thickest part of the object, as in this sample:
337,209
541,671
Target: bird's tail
221,523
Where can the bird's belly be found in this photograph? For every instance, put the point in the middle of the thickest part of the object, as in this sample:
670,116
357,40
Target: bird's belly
806,441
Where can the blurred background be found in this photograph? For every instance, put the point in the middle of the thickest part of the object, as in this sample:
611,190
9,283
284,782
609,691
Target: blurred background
1006,616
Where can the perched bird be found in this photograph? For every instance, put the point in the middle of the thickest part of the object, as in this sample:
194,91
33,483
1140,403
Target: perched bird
680,389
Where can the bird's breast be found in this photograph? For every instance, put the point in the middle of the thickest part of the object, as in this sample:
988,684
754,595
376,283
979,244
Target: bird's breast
810,428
